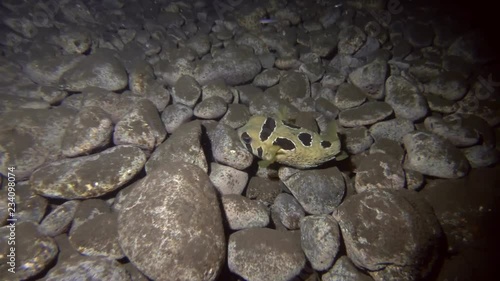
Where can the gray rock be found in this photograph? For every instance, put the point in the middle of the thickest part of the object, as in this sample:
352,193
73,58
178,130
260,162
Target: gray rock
351,38
98,236
184,145
186,244
370,46
234,65
424,71
482,127
405,98
227,180
329,16
200,43
77,14
74,40
313,70
217,89
59,220
370,78
242,212
248,93
414,180
294,87
439,104
319,191
98,70
141,127
116,105
87,210
401,49
252,41
342,65
34,251
419,35
48,70
451,129
175,115
324,42
227,148
22,25
29,205
348,96
236,116
210,108
41,130
430,155
186,91
333,78
10,71
326,108
366,114
389,147
263,190
357,139
83,267
379,171
88,176
408,252
267,60
141,74
394,129
267,78
472,46
11,103
320,240
172,70
265,254
91,129
50,94
287,211
481,155
471,105
448,85
458,65
344,270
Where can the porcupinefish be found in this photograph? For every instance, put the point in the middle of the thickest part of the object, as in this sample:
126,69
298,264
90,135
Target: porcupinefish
275,140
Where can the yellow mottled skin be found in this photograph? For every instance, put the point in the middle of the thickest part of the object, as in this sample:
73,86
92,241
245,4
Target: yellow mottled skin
301,155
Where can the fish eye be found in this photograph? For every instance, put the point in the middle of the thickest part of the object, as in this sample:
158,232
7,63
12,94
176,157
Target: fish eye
246,138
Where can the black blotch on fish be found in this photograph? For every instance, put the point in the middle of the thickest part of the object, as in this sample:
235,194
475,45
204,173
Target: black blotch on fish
259,152
326,144
284,143
305,138
246,138
267,129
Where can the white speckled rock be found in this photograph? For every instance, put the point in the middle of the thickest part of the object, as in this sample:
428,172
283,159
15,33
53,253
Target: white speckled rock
430,155
172,217
141,127
88,176
242,212
210,108
174,115
265,254
98,70
92,128
320,240
228,180
59,220
227,148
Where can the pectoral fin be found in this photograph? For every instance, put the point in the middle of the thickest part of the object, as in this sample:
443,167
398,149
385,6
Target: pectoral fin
270,155
341,156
